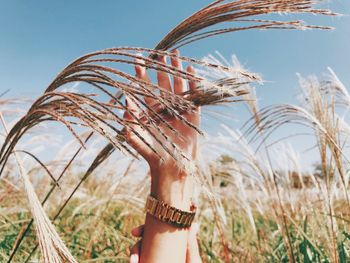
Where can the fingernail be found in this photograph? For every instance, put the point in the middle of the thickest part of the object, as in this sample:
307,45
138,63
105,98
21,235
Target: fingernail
134,258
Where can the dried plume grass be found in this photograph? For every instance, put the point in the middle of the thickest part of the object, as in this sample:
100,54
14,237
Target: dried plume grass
52,247
320,103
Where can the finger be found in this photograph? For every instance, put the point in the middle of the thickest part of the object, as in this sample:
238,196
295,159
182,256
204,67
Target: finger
179,86
141,70
163,77
192,84
131,107
133,131
138,231
135,252
142,74
139,145
193,117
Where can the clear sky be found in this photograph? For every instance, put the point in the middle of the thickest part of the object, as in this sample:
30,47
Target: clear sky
39,38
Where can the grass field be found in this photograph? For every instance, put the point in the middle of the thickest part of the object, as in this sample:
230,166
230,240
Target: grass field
96,227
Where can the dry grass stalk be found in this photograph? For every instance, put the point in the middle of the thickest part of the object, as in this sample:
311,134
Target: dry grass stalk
223,11
52,247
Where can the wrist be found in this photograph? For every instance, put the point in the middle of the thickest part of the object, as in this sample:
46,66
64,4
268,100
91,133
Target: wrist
173,186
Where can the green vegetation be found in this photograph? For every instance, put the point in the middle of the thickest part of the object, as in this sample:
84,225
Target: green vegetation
102,234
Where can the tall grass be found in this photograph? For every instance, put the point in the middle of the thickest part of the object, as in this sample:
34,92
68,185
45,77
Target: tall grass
265,195
250,209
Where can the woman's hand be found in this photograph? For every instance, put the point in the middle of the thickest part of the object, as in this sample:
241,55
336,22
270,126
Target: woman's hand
169,182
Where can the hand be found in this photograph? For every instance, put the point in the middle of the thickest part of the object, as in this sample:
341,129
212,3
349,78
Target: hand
187,143
192,249
168,180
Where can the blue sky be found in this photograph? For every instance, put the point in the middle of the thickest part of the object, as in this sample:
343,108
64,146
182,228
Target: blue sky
39,38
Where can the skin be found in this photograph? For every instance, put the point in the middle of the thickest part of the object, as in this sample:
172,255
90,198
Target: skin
192,249
162,242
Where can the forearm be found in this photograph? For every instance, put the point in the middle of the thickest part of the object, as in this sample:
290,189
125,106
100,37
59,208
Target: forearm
163,242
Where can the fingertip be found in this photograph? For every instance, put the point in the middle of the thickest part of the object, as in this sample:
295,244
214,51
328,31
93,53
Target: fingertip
175,52
190,69
139,69
137,231
175,61
134,258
